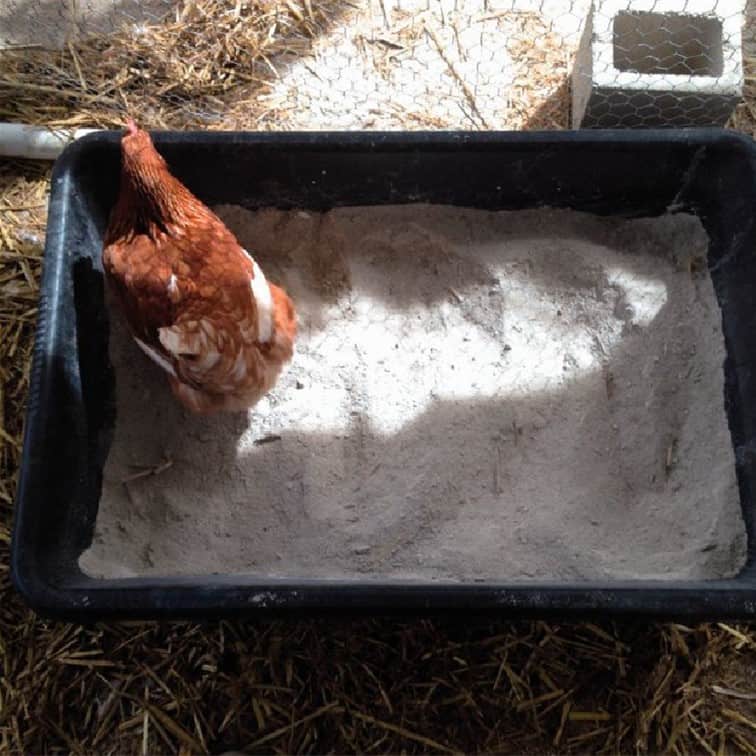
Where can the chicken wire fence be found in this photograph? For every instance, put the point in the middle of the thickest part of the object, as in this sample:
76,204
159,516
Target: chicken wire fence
368,64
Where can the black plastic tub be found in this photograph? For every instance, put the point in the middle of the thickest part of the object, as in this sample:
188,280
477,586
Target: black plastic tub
70,413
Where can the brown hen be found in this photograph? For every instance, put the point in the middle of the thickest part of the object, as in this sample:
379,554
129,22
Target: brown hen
196,302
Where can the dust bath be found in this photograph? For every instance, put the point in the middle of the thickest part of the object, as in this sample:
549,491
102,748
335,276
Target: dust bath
474,396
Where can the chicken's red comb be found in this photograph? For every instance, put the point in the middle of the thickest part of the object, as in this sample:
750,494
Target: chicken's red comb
131,126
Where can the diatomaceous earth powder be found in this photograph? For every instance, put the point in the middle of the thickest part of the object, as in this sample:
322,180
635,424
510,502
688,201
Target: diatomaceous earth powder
474,396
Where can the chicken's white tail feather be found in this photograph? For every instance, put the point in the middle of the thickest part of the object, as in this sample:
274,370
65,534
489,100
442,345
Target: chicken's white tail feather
176,342
199,341
263,301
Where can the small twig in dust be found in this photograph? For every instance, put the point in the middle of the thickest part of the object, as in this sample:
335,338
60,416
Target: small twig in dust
148,471
454,294
129,495
609,383
600,345
267,439
669,459
456,75
497,471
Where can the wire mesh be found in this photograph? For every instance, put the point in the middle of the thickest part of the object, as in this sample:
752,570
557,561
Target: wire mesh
371,64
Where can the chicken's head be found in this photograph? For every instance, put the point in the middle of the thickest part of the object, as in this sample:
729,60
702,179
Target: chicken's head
138,151
150,197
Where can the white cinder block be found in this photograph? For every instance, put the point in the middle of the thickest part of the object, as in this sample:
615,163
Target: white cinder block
656,63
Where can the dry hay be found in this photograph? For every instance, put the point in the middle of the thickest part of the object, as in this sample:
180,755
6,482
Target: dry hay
378,686
375,686
227,64
212,59
23,197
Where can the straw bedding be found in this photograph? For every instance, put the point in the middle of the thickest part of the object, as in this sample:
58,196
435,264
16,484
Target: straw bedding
380,685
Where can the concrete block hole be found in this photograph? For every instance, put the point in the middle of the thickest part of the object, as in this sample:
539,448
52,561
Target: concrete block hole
663,43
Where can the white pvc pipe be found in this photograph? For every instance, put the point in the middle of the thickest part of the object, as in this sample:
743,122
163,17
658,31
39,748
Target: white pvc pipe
36,142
